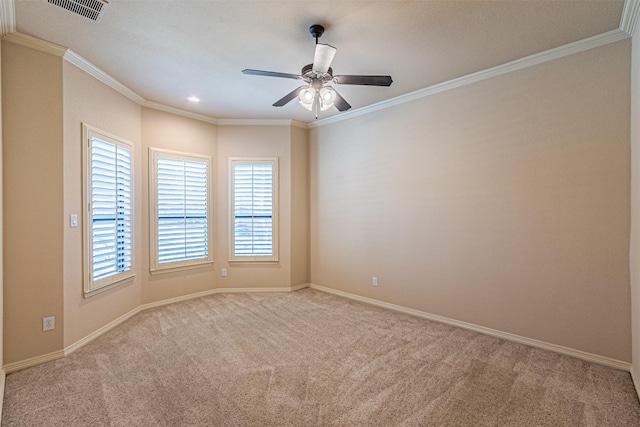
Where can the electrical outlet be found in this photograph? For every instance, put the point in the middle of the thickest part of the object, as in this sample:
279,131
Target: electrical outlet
48,323
224,272
374,282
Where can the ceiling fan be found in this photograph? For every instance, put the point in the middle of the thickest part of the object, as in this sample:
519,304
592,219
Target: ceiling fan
316,93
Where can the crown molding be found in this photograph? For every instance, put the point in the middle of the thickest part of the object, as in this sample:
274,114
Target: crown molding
7,17
301,125
630,14
179,112
528,61
262,122
35,43
86,66
629,19
89,68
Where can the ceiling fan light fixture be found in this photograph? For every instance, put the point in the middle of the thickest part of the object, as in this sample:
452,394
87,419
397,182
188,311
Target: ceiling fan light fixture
307,96
327,98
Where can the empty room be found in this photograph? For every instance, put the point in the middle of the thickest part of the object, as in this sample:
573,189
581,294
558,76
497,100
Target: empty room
309,213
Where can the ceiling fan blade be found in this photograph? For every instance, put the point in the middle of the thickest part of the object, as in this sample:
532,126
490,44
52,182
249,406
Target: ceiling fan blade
363,80
288,97
271,74
323,57
340,103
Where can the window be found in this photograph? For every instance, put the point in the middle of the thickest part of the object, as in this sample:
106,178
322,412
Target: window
180,196
253,194
108,213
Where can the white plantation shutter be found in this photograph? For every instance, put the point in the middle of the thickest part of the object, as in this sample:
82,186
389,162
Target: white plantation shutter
109,214
253,204
110,208
181,196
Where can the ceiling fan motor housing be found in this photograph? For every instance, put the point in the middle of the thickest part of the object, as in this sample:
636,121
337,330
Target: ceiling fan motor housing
307,71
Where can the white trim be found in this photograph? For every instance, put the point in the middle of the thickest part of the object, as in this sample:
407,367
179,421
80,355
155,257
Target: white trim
28,363
3,378
33,361
86,66
528,61
635,377
156,304
629,18
179,112
578,354
35,43
255,290
300,286
262,122
104,329
7,25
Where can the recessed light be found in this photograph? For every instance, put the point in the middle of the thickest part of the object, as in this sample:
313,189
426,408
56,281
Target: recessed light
193,99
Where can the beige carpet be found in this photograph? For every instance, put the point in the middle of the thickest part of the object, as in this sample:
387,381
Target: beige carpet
308,359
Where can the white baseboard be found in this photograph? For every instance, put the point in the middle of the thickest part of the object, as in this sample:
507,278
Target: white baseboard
3,377
301,286
181,298
589,357
33,361
635,377
27,363
252,290
95,334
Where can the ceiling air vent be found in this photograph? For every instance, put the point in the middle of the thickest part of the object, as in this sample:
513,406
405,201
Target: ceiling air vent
88,8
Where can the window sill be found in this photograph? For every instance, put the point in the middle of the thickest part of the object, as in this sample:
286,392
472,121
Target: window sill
253,261
92,292
181,268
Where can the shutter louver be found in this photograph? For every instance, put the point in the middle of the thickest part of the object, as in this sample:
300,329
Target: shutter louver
110,209
253,209
182,209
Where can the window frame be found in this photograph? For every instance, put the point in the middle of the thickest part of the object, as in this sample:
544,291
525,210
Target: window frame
273,258
155,267
92,287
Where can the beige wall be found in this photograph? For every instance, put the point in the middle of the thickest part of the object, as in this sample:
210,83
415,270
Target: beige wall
170,132
254,141
504,203
87,100
299,206
634,255
32,200
43,173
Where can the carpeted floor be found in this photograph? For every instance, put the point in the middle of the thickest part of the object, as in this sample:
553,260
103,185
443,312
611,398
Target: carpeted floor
309,358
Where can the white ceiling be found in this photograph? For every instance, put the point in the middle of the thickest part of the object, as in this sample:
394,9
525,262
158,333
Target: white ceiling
168,50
